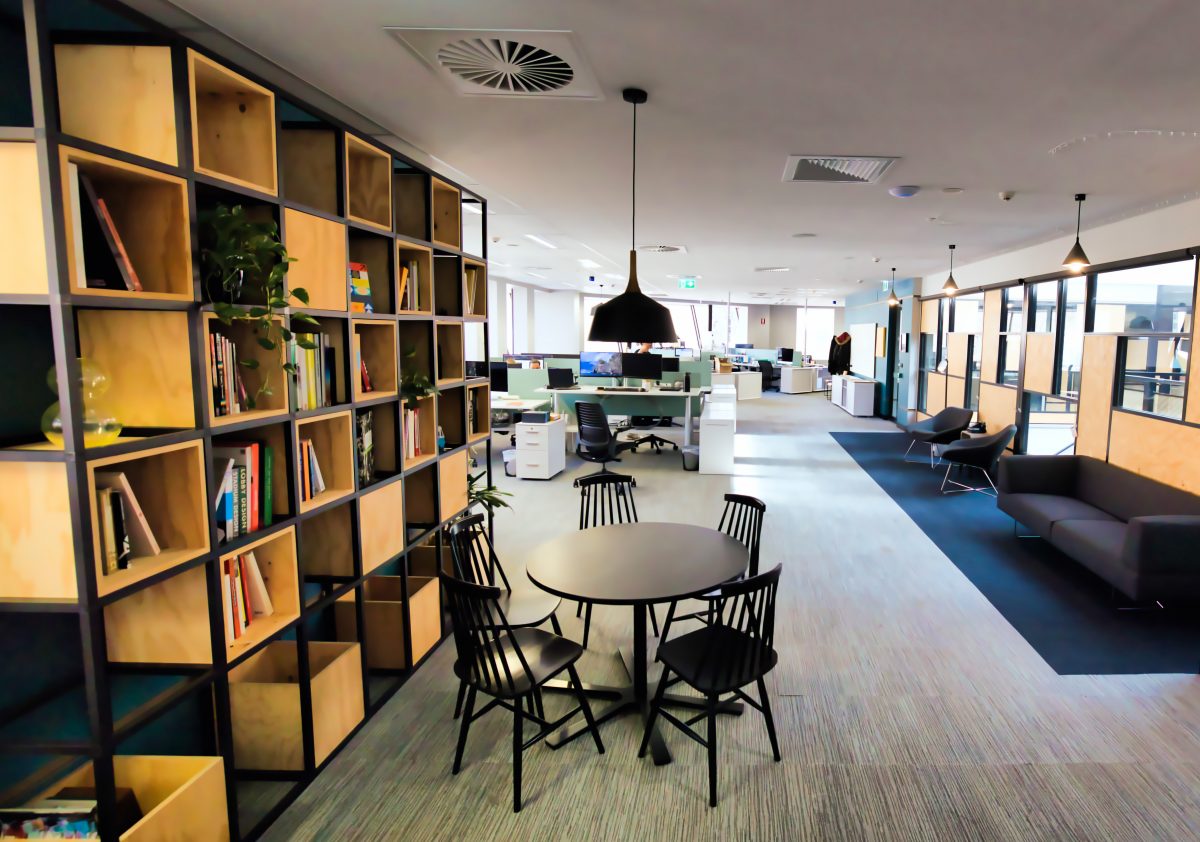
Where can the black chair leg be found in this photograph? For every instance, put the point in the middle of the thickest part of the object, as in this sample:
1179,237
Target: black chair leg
666,629
518,740
587,709
463,727
587,625
766,709
458,703
579,609
712,751
557,629
655,706
653,621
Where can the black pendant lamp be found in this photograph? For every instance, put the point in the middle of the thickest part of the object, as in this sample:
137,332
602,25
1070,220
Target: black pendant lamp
1077,259
632,316
950,287
892,300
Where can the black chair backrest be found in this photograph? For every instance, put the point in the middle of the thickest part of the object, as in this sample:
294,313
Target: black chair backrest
743,519
594,433
488,655
746,607
606,499
474,557
992,446
951,418
767,369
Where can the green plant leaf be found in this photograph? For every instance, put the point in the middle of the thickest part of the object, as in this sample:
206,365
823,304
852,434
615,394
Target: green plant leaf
266,343
300,294
306,344
305,318
248,363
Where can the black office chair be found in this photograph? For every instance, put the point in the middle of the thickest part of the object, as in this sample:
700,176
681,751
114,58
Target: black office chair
979,453
596,441
770,375
650,422
733,650
742,519
943,428
509,664
475,561
605,499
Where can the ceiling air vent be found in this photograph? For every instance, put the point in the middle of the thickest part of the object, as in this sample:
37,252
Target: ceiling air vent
506,62
837,169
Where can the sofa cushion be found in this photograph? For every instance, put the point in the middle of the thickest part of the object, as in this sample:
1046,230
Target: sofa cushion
1040,512
1098,546
1127,495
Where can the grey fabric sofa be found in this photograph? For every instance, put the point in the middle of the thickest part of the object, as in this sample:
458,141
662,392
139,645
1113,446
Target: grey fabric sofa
1139,535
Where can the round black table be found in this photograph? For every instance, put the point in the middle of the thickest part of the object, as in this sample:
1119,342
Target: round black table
636,564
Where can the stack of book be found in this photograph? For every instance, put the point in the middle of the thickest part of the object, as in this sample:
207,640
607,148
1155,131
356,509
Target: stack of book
410,287
412,433
364,440
244,495
472,285
316,371
364,376
124,531
245,594
311,481
360,289
101,259
229,395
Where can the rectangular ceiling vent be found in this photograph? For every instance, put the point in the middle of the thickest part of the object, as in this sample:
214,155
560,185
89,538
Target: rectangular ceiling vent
503,62
837,169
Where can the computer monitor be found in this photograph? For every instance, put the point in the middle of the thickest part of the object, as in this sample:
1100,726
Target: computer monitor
600,364
744,345
785,355
642,366
499,375
560,378
670,364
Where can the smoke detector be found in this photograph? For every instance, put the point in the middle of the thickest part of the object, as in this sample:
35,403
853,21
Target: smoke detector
837,169
504,62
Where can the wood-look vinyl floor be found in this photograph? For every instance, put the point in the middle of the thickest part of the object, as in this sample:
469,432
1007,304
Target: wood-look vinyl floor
907,706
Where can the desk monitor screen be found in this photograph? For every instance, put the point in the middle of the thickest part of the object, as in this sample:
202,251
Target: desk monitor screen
600,364
670,364
499,374
785,355
642,366
560,378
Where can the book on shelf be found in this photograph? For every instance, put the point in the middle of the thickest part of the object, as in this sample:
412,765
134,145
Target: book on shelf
140,535
401,299
360,289
229,392
364,440
244,470
411,431
244,594
317,371
312,482
260,595
410,286
472,284
70,813
98,241
108,538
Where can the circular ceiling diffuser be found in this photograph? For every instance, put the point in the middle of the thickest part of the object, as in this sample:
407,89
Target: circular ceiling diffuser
658,249
507,66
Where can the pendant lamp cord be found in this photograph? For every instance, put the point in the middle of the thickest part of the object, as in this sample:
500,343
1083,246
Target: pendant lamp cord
1078,205
633,208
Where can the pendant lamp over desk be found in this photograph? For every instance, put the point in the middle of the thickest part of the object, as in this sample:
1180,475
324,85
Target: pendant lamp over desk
632,316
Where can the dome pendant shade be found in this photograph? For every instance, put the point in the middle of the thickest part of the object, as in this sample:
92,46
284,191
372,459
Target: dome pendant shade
632,316
892,300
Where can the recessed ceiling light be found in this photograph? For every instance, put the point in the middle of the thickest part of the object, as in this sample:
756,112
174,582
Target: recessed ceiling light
676,277
540,241
772,268
803,235
613,277
538,268
952,191
904,191
588,263
535,275
661,249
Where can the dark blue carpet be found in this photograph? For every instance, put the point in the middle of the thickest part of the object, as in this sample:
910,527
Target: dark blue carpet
1064,611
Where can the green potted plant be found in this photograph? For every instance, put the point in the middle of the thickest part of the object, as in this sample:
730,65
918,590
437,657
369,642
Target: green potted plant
488,496
242,257
414,384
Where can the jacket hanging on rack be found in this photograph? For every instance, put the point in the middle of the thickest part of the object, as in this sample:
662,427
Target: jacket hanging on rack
839,354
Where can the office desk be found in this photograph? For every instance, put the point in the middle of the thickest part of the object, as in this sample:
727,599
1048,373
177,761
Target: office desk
518,404
652,402
797,379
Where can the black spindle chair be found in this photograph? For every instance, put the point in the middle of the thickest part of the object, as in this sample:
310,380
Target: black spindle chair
605,498
475,561
742,518
510,665
733,650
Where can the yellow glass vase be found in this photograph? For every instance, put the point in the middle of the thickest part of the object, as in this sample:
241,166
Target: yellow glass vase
99,427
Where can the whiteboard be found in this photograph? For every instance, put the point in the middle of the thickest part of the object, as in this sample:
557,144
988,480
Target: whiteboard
862,349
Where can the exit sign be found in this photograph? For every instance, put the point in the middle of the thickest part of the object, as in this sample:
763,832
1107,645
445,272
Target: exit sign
687,283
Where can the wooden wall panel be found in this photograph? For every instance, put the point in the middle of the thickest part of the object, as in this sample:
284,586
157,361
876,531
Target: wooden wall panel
993,303
997,406
319,246
1095,395
957,357
1039,363
1162,450
23,269
956,391
935,393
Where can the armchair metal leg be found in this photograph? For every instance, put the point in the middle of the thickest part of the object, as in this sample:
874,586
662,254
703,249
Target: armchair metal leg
1019,535
983,489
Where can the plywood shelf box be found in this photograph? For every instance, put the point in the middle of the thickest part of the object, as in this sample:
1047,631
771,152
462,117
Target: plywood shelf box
448,285
264,693
384,420
276,437
479,412
327,544
447,214
410,202
381,533
37,558
375,344
475,280
449,343
333,441
375,252
277,563
308,158
268,369
319,246
176,609
149,211
23,268
368,183
420,501
451,409
233,125
425,434
414,295
452,484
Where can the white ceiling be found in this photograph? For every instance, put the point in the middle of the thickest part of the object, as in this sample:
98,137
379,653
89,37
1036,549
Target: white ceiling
969,93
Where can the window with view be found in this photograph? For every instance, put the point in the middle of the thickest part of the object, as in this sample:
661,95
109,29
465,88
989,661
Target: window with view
1012,326
1153,374
1148,299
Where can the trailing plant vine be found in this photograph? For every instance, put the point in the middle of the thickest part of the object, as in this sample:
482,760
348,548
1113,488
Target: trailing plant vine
414,384
488,496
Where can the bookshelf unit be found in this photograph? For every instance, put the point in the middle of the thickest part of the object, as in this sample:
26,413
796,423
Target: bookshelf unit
479,413
164,131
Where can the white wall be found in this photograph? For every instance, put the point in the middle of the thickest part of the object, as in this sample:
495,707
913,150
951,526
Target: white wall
556,318
1166,229
782,324
759,334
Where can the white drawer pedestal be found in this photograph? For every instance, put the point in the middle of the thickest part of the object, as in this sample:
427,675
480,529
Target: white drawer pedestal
541,449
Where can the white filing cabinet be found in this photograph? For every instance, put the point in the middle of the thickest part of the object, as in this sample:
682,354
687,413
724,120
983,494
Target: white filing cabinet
795,379
856,395
726,394
716,437
747,383
541,449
